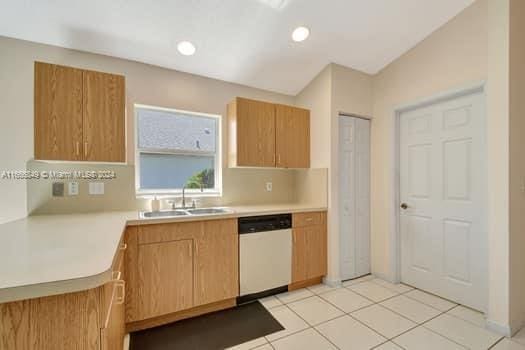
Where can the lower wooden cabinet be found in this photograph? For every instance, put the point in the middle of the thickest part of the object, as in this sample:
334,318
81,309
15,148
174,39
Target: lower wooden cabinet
87,320
309,246
216,262
165,272
180,266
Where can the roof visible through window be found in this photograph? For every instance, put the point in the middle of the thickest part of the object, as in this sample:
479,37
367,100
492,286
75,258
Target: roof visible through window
171,130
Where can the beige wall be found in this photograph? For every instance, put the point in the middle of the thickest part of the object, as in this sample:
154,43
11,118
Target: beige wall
145,84
453,56
470,49
335,89
498,161
517,163
240,187
316,96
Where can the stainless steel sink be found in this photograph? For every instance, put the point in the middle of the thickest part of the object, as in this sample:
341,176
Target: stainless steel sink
206,211
163,213
184,212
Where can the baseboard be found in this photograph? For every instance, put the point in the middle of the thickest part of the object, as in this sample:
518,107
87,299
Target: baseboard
304,284
332,282
504,330
180,315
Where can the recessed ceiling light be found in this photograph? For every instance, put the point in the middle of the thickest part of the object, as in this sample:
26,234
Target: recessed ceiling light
186,48
300,34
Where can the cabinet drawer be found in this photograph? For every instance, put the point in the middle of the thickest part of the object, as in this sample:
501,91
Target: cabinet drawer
168,232
308,219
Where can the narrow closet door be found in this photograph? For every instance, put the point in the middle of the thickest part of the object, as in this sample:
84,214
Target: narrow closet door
354,196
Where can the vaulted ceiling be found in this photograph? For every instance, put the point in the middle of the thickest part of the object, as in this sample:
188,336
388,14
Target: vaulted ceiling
242,41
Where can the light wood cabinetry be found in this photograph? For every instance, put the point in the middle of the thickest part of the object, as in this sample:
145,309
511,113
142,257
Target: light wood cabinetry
58,112
165,278
79,114
216,262
103,110
87,320
175,269
309,246
252,133
263,134
292,141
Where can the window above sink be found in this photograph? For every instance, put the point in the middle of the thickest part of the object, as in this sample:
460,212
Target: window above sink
176,149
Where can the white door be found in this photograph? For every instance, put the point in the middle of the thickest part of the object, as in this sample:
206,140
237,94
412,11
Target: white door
443,185
354,196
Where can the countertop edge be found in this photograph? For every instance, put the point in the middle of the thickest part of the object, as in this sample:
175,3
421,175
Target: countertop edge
39,290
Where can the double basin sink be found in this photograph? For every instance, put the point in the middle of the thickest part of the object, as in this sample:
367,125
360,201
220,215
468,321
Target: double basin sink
184,212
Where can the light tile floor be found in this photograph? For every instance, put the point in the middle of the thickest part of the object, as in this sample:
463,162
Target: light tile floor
370,313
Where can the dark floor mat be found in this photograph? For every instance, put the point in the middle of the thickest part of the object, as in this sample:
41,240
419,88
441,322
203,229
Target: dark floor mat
218,330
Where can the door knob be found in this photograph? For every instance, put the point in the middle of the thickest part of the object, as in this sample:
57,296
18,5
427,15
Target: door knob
404,206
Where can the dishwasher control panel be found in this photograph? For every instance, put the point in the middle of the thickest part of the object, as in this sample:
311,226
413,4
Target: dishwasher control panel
255,224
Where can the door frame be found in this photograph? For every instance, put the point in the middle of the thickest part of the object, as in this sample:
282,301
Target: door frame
394,273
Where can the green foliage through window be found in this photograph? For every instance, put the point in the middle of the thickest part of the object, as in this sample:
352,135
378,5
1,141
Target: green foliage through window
202,179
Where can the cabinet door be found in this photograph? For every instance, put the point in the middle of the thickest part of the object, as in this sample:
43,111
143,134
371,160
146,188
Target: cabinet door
104,117
217,262
58,112
299,254
113,331
292,137
255,133
165,272
316,245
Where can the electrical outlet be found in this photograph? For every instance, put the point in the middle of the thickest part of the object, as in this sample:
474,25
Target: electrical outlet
58,189
269,187
72,188
96,188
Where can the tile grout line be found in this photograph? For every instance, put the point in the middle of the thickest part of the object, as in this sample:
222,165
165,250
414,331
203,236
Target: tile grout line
388,339
313,327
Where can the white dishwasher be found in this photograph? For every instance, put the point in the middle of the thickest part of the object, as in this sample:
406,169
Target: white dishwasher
265,255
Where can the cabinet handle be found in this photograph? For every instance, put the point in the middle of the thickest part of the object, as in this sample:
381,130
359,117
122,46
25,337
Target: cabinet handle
77,149
115,275
309,219
123,246
120,289
278,159
85,149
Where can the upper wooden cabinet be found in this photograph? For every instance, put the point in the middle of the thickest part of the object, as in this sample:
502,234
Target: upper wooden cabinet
58,112
79,114
104,117
263,134
252,133
292,137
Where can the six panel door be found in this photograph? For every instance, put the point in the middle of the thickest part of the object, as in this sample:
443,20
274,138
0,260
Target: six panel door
292,142
443,184
58,112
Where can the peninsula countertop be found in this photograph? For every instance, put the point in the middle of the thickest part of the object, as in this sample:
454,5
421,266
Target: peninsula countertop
55,254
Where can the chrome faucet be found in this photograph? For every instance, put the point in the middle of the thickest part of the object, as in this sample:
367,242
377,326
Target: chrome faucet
183,197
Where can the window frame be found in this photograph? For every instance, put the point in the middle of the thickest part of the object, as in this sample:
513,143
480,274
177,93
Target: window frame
207,192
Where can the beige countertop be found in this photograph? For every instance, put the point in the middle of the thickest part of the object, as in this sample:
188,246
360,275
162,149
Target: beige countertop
56,254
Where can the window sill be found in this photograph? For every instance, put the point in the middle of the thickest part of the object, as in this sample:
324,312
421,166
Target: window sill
176,194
